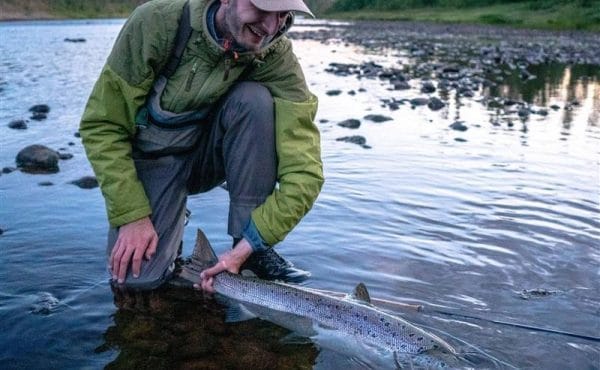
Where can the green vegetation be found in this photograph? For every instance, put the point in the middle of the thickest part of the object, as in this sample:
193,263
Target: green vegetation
50,9
546,14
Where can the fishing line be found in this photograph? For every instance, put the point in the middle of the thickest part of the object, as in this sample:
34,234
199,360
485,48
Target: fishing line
517,325
467,344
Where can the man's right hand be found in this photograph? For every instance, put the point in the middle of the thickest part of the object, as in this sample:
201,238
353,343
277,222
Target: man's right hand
136,240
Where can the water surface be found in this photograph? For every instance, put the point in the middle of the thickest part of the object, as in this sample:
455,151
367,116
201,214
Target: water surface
460,222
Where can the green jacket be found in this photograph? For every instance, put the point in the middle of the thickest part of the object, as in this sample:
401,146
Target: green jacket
141,50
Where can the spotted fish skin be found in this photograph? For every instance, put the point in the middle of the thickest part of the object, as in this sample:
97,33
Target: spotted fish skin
354,317
361,320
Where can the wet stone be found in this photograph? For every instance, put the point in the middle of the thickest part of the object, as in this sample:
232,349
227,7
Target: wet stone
537,293
7,170
401,85
352,92
334,92
18,124
377,118
428,87
435,104
45,183
355,139
86,182
75,40
460,140
38,116
554,107
1,231
350,123
77,134
458,126
37,159
40,108
419,101
44,304
523,112
65,156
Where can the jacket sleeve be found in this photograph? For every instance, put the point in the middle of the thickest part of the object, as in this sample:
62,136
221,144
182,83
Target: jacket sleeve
108,122
300,170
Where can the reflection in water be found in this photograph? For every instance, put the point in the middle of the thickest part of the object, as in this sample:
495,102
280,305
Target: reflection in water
181,328
562,87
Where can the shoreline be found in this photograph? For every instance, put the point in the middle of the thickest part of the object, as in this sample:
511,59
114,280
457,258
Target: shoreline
517,16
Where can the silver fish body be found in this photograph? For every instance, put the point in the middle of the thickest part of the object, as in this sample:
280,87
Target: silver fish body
354,318
297,307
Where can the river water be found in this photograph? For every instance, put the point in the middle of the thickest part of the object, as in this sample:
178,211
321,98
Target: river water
489,227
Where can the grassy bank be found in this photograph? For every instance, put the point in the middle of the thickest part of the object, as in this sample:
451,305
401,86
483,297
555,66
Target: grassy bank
534,14
65,9
548,14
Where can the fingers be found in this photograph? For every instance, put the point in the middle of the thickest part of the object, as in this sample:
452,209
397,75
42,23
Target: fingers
124,264
136,263
207,276
152,247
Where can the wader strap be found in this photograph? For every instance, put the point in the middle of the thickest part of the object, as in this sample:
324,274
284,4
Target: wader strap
184,31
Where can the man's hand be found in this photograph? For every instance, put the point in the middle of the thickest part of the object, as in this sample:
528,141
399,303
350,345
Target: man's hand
230,261
136,240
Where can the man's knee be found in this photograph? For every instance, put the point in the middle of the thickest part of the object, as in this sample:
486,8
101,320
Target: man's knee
250,103
252,95
146,281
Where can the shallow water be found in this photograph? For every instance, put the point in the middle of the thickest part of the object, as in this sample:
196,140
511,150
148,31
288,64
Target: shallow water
460,222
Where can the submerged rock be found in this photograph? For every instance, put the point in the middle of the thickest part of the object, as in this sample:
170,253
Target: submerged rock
65,156
537,293
44,304
7,170
37,159
40,108
45,183
356,139
86,182
419,101
38,116
458,126
18,124
350,123
377,118
76,40
435,104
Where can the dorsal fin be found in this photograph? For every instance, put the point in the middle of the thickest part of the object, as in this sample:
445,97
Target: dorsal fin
203,253
361,294
203,257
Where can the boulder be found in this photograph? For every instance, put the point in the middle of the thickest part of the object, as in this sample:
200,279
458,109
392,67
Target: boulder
18,124
350,123
40,108
86,182
435,104
377,118
459,126
37,159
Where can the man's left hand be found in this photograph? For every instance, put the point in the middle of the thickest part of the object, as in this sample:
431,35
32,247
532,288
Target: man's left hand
230,261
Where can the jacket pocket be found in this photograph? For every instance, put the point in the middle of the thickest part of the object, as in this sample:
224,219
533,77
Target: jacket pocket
161,139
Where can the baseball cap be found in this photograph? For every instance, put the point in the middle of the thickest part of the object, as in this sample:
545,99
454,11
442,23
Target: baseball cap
282,6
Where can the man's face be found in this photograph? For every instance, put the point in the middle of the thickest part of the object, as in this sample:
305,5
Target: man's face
251,27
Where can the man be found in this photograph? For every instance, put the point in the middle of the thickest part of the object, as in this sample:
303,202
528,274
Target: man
176,113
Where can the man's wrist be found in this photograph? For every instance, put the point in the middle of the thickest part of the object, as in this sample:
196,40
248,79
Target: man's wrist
253,237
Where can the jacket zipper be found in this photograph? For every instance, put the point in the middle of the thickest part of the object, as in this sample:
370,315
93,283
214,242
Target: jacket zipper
190,79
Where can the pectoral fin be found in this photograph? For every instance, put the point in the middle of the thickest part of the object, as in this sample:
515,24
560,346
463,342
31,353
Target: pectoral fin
237,313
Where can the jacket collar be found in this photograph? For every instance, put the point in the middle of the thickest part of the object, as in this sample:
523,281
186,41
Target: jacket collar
198,14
